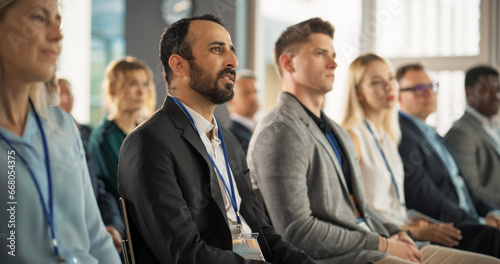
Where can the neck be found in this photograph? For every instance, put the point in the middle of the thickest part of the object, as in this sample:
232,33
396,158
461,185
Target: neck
14,106
310,99
376,117
126,121
196,101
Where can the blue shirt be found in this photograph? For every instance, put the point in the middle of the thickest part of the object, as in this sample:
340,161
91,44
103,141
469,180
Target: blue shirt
80,232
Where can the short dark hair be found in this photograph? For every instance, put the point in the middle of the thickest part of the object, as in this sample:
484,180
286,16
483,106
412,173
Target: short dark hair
174,41
298,34
408,67
472,75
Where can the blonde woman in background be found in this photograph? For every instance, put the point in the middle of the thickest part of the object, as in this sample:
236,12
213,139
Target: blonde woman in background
48,213
370,117
130,92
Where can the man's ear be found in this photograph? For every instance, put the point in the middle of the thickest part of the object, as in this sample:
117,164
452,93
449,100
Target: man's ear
286,62
178,65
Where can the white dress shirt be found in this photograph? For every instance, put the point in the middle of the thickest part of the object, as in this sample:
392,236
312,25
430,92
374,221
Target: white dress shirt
214,149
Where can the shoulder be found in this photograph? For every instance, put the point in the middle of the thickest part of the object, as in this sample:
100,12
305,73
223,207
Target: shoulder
98,134
158,130
279,123
466,124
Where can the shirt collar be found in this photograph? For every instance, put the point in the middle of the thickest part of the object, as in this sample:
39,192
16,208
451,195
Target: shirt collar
320,121
424,127
482,119
202,125
245,121
30,130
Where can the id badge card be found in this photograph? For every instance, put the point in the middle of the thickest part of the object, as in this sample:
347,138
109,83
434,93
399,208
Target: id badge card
246,245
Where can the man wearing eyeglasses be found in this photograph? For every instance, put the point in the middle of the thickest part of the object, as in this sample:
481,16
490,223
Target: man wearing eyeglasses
433,176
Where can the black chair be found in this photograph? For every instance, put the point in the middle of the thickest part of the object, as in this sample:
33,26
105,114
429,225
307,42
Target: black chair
128,250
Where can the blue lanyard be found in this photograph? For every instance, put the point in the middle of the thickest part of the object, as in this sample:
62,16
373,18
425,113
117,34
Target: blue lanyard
231,192
335,146
386,164
48,211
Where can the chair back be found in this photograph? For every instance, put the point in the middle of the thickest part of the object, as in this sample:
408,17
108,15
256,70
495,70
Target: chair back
128,250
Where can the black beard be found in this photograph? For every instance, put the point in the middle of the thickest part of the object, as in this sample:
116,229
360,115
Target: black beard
200,79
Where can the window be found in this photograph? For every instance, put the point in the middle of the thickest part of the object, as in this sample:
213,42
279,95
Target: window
447,36
108,43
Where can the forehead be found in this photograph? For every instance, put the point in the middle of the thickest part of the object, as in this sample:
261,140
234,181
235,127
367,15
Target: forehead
202,32
488,79
50,6
415,77
376,67
138,73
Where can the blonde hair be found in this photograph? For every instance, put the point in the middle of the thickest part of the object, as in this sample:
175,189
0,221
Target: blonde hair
116,72
354,114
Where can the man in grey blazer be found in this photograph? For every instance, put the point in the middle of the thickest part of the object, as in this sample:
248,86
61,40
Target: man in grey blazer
307,170
475,137
306,183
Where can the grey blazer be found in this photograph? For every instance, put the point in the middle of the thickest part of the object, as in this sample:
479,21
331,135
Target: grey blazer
477,155
304,189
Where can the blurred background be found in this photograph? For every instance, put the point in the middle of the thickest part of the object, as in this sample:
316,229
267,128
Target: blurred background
448,36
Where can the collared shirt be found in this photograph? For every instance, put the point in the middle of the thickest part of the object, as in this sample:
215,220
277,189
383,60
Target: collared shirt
214,149
490,125
79,230
435,141
245,121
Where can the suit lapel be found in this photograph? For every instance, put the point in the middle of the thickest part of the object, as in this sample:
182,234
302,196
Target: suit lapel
295,107
182,122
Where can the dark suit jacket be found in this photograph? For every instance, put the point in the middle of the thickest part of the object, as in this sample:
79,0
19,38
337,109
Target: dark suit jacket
428,185
174,199
241,132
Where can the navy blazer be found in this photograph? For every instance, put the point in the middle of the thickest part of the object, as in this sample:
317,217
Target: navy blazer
174,200
428,185
241,132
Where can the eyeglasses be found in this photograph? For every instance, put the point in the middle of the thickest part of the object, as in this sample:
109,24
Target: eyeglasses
421,89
